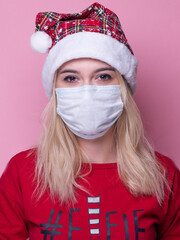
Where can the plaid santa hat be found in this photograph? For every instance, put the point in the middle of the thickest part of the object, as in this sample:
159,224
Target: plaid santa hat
95,32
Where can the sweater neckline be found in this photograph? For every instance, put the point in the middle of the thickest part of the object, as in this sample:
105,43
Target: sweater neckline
100,165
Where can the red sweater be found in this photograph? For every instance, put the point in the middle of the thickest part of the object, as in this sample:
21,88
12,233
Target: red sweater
111,212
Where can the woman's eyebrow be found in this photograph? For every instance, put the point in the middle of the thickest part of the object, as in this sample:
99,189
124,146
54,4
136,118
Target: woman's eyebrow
96,71
105,69
68,70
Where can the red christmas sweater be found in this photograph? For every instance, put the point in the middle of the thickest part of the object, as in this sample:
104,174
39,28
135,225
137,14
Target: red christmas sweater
110,212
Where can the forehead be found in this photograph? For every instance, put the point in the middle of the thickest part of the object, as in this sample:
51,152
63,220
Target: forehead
84,63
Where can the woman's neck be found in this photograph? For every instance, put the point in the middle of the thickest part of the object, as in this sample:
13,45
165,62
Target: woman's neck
100,150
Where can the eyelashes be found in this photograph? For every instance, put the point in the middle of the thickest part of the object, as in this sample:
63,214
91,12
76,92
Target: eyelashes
105,77
102,77
69,79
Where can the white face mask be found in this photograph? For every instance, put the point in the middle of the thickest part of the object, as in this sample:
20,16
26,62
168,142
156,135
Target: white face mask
89,111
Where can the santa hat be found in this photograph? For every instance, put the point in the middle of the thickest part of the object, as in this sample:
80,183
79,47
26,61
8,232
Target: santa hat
95,33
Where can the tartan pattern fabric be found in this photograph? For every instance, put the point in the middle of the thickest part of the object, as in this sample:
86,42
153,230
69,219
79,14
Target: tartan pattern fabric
95,18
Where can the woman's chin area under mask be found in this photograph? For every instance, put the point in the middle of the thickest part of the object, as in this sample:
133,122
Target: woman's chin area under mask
101,149
85,71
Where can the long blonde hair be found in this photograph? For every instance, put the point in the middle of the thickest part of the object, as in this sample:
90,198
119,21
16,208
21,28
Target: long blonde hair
59,157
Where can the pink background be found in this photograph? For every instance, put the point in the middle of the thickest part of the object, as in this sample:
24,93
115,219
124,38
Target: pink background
152,29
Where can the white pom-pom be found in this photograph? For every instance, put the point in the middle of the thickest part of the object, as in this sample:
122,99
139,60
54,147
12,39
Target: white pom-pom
41,42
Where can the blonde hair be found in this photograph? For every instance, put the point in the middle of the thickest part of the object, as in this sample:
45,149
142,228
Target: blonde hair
59,157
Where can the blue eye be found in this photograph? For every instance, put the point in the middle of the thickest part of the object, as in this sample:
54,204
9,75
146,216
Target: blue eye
70,79
105,77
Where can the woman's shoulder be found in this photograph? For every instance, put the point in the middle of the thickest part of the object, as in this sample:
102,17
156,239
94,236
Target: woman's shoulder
24,157
21,163
172,172
167,162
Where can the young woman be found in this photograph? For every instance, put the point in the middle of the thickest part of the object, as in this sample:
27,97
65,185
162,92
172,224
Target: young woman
93,175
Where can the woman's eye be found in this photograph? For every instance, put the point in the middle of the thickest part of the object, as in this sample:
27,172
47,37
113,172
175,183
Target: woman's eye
105,77
70,79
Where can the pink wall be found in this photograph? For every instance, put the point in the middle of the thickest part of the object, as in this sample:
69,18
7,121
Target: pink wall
152,28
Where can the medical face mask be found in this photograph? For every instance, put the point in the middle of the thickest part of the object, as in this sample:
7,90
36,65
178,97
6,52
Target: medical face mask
89,111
